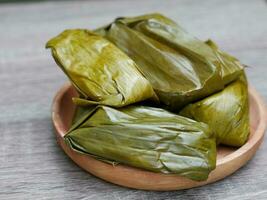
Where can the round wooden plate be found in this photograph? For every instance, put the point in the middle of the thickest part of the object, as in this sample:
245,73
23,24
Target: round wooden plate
228,159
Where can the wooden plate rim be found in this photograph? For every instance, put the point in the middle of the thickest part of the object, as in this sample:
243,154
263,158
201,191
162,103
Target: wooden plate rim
257,136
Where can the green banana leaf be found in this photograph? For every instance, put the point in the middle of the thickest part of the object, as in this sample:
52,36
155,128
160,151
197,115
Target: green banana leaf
145,137
168,32
180,67
165,30
177,78
100,72
231,67
80,112
226,112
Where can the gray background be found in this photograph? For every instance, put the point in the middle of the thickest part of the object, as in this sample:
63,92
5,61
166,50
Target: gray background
32,166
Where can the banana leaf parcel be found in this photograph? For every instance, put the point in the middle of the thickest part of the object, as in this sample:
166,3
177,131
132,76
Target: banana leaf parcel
100,72
145,137
180,67
177,76
165,30
226,112
231,67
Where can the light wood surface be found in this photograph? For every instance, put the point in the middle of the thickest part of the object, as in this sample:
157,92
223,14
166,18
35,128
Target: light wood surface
228,159
32,166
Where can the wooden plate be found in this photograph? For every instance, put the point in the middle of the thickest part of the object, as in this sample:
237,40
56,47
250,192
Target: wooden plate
228,159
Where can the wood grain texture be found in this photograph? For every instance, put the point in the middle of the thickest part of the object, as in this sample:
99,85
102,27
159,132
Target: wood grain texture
32,166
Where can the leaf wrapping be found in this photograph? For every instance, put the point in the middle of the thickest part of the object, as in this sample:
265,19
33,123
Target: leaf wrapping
180,67
226,112
100,72
148,138
178,76
150,57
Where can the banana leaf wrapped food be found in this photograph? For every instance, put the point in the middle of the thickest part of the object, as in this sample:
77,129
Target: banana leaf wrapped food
180,67
100,72
150,57
145,137
226,112
231,67
177,77
167,31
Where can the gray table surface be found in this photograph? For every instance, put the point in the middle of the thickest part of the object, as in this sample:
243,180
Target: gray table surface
32,166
